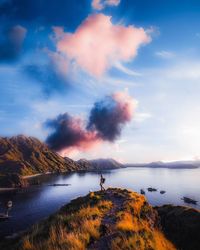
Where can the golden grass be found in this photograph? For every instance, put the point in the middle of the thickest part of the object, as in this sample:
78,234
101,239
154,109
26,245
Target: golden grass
26,244
161,242
69,230
135,222
126,223
78,225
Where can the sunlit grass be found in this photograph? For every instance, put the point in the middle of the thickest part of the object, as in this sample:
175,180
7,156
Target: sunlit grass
78,225
73,228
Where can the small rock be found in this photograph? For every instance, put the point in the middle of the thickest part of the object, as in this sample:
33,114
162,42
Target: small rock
152,189
189,200
162,192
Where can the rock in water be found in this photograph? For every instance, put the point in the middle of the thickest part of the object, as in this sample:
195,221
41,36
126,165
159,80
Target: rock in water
189,200
150,189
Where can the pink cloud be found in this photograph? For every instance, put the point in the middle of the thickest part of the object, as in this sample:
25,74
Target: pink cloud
101,4
59,62
97,44
126,104
97,5
109,115
69,134
107,118
113,2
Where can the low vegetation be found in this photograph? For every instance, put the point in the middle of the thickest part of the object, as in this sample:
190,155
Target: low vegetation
27,155
114,219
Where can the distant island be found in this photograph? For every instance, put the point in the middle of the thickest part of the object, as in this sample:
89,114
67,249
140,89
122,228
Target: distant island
113,219
22,157
171,165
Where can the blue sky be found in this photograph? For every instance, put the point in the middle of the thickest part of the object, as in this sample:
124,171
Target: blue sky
164,77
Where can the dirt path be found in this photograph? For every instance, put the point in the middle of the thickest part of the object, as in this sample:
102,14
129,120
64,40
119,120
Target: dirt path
107,227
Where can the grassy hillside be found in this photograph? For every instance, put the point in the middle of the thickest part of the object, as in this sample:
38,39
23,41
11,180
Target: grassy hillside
21,156
113,219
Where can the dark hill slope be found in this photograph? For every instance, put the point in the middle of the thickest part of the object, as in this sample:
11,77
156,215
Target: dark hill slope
181,225
27,155
22,156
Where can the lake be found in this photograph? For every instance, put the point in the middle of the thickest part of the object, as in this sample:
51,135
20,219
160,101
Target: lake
37,202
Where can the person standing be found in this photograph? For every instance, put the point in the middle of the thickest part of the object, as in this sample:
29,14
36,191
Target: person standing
8,207
102,181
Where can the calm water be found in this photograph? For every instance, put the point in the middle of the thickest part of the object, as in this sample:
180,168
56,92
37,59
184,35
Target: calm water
38,202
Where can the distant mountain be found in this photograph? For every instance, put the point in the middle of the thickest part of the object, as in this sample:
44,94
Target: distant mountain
85,164
172,165
99,164
22,156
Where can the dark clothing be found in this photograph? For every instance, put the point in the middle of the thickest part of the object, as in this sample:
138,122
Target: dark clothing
102,181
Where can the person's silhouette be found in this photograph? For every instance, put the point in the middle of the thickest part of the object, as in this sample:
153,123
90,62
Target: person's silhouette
8,207
102,181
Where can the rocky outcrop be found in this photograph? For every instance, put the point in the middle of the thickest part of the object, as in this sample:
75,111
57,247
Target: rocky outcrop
181,225
115,219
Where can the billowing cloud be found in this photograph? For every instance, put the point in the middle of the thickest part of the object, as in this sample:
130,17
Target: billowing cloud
97,44
108,116
106,121
69,133
11,45
101,4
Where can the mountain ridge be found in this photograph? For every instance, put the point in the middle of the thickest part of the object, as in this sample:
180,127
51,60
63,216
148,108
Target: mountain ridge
22,156
100,164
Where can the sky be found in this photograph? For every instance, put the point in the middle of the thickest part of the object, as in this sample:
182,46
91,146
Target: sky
103,78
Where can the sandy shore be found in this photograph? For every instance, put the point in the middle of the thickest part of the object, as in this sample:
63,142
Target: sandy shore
35,175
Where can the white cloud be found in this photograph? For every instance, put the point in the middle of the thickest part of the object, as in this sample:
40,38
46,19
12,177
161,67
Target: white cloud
101,4
165,54
126,70
184,71
141,117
